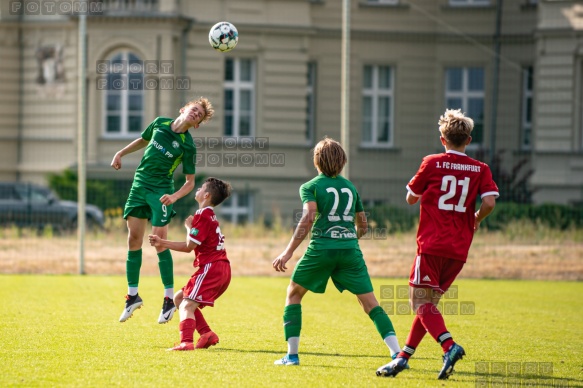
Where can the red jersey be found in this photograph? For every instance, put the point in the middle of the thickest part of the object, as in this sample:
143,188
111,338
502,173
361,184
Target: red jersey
448,185
206,233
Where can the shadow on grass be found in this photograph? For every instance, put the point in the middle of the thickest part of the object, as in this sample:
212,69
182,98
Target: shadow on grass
281,352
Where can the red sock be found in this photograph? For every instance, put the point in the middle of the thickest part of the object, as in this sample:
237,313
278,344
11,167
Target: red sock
433,322
414,338
187,330
201,326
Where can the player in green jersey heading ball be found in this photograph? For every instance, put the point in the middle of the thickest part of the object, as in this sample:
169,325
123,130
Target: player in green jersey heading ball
168,144
334,215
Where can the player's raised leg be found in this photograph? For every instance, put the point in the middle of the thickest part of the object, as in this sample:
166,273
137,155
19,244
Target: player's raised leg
166,267
136,229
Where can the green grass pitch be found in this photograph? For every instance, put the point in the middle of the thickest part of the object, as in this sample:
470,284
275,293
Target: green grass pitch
64,331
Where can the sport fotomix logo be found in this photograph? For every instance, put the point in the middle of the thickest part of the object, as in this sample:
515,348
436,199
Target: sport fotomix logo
136,74
232,151
517,374
394,299
52,7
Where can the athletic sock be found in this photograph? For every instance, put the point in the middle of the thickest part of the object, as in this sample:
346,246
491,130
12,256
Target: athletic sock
201,326
133,265
293,344
132,291
414,338
385,328
292,320
166,269
169,292
435,325
187,330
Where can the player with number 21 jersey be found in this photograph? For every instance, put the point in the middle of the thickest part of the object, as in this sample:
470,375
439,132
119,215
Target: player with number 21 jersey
448,185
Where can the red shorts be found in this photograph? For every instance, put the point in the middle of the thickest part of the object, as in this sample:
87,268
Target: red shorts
434,272
208,283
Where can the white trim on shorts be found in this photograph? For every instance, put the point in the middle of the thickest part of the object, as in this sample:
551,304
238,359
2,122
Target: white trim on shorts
416,277
198,283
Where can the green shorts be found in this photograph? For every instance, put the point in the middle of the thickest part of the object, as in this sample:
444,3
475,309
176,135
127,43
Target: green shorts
145,203
346,267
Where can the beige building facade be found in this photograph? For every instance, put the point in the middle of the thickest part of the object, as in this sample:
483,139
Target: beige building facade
279,92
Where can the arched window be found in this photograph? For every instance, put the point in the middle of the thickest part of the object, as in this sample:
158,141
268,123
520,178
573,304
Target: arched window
124,95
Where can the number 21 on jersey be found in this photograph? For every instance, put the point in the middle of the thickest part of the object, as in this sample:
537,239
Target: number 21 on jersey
450,184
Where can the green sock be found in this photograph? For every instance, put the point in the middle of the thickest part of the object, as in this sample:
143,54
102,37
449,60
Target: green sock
166,268
292,320
133,265
382,322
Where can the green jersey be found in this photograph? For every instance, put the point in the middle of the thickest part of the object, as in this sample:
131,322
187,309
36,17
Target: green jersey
165,151
337,203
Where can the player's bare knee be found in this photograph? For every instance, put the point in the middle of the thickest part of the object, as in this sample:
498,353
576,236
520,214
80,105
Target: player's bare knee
188,305
295,293
178,298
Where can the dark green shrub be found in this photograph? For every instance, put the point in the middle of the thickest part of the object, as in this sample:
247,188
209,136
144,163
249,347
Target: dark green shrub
552,215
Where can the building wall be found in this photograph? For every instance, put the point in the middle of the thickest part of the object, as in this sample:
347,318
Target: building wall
10,65
558,161
418,39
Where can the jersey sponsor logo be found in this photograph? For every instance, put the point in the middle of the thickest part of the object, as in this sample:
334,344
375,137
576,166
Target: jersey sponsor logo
340,232
161,148
194,231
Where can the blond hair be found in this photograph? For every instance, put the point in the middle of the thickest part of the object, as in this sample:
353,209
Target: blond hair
455,127
206,105
329,157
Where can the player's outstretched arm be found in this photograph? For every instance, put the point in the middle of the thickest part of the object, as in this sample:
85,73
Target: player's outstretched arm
180,246
302,230
135,145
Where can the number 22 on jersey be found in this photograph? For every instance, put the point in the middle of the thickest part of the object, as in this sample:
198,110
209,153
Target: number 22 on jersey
332,216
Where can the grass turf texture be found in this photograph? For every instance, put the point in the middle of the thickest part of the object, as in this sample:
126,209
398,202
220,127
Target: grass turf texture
64,331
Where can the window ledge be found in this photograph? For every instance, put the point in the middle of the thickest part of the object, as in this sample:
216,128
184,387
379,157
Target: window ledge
397,5
468,7
378,148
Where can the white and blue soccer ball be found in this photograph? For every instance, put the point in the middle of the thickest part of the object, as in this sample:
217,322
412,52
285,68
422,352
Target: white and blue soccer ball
223,36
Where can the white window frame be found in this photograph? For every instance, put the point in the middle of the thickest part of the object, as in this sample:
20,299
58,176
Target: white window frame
237,86
465,94
390,2
469,3
125,93
311,102
231,211
527,95
375,93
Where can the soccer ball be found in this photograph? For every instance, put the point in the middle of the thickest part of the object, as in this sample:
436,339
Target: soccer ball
223,36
